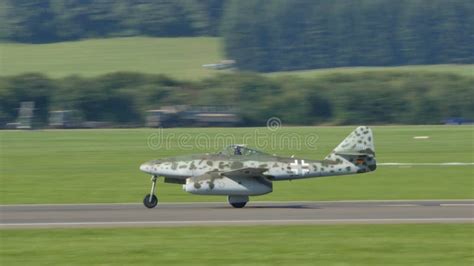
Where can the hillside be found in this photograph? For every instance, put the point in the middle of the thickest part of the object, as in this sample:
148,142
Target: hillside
467,70
177,57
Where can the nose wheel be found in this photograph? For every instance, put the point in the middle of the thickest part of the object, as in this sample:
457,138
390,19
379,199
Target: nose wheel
150,201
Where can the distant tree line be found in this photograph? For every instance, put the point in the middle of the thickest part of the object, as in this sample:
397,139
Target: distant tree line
390,97
280,35
42,21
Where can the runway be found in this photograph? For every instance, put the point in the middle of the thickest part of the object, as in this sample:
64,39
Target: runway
255,213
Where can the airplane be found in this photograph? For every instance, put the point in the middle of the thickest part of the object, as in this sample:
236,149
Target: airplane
224,64
239,172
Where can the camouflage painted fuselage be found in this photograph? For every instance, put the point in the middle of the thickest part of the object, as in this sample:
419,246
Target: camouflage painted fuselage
279,168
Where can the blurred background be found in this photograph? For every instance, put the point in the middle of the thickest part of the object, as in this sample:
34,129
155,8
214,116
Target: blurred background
223,64
135,63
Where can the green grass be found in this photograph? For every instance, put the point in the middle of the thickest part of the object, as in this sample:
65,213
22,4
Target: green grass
467,70
178,57
89,166
425,244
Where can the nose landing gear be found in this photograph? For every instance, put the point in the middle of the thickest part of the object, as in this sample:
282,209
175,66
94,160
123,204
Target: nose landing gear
150,201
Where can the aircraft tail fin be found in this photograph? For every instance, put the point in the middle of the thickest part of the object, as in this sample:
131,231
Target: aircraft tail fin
357,148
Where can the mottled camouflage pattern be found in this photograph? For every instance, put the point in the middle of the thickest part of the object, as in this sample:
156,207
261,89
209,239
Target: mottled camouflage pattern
356,154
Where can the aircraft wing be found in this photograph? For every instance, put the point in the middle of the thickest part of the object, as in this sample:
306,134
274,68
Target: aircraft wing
245,172
351,153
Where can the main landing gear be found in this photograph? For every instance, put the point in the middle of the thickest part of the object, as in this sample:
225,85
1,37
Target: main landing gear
150,201
238,201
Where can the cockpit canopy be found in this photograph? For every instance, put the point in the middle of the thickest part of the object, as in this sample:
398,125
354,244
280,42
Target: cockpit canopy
240,150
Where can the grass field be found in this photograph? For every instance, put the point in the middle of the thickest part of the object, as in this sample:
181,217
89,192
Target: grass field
178,57
88,166
424,244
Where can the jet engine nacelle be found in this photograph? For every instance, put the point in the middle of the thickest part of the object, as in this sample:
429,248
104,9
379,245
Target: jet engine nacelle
222,185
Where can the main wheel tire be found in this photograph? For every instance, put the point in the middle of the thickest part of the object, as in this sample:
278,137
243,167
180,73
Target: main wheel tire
238,201
238,204
150,204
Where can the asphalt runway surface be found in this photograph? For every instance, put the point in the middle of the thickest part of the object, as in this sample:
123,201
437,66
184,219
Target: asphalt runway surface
255,213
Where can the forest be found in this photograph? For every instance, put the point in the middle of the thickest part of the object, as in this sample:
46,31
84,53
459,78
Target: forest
268,36
389,97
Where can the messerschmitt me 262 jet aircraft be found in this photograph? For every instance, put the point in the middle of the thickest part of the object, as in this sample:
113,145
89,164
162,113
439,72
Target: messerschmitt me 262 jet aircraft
239,172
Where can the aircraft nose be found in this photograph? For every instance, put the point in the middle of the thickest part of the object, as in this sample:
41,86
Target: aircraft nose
145,167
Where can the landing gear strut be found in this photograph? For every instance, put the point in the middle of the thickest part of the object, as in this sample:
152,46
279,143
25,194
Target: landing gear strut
150,201
238,201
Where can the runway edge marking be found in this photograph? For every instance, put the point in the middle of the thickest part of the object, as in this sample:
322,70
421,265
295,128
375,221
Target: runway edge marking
222,202
242,222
